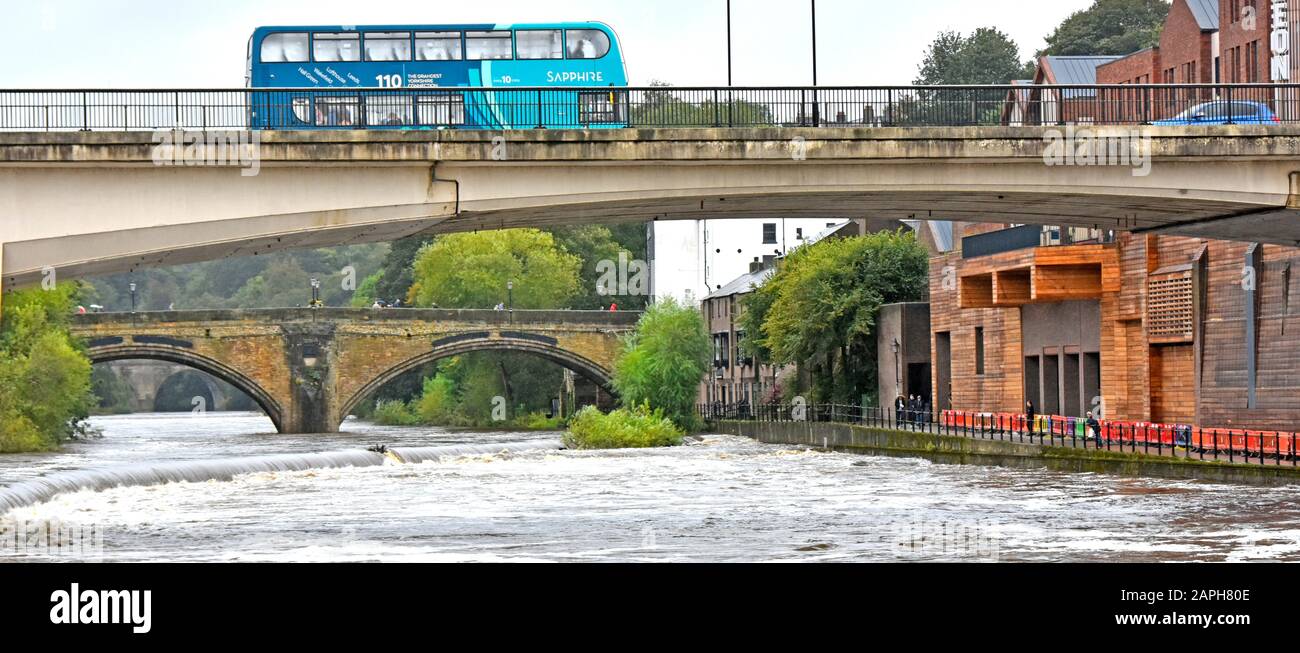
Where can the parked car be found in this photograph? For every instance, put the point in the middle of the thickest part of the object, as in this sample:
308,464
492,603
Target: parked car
1222,112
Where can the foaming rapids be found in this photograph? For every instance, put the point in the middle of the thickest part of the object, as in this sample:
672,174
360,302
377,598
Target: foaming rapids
424,454
40,490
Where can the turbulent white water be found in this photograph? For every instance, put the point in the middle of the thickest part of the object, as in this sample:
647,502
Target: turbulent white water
724,499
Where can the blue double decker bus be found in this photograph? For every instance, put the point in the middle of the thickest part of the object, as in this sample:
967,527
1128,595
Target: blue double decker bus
416,76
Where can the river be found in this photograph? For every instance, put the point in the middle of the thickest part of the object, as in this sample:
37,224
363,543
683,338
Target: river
722,498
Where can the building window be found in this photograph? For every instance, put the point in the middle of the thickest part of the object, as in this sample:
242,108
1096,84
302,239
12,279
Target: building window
798,233
769,233
979,351
1252,61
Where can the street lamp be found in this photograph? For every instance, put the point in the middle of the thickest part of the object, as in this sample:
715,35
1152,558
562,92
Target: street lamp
132,286
510,299
816,107
728,43
898,376
315,293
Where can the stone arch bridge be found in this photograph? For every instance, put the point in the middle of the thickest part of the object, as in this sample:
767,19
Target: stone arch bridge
309,368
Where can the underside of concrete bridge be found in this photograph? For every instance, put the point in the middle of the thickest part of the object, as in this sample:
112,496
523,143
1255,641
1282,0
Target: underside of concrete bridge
94,203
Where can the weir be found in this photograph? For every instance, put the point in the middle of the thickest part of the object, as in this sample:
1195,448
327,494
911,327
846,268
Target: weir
45,488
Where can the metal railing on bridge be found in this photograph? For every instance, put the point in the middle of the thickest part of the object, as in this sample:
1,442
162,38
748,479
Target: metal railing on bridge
655,106
1178,440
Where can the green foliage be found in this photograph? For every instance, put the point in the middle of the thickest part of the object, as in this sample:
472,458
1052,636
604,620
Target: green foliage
471,270
113,395
663,361
395,413
45,391
623,428
1110,27
601,248
438,402
395,271
666,108
276,280
820,308
367,291
987,56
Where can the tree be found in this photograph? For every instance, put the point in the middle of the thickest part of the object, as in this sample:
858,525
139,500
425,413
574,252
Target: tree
668,108
471,270
601,251
1109,27
820,308
44,374
987,56
663,361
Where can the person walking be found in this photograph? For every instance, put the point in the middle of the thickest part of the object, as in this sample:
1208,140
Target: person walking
1029,416
1093,426
900,405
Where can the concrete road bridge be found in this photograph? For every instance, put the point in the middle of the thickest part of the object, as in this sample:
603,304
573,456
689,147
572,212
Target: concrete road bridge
97,202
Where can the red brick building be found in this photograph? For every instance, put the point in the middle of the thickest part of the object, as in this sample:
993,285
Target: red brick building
1144,328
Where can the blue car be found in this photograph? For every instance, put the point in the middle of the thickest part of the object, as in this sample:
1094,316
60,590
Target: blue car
1222,112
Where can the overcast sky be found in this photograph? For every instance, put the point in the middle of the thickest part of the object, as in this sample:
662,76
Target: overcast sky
200,43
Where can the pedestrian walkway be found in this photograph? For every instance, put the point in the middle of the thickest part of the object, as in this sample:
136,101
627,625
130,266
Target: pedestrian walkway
1177,441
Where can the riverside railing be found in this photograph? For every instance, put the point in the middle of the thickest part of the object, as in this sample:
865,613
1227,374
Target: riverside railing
1183,441
655,106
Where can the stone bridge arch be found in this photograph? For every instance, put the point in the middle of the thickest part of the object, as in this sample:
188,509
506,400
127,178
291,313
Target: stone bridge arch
112,350
540,345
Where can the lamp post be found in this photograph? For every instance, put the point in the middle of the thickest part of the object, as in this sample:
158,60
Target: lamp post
510,299
728,43
898,375
315,293
814,41
132,287
816,108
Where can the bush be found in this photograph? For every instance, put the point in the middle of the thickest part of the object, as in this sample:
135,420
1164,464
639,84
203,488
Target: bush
664,360
621,429
437,403
45,392
537,422
395,413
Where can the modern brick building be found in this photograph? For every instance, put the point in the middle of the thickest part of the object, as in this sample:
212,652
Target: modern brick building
1136,327
1144,328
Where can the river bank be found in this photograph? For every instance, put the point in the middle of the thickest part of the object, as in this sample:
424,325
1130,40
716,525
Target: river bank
1019,454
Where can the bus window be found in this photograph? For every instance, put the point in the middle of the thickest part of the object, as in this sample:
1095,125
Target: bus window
487,45
388,46
539,44
437,46
283,47
444,109
336,46
336,111
302,109
388,110
587,43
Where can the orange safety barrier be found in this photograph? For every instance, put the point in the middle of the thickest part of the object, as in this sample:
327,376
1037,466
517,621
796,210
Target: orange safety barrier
1236,441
